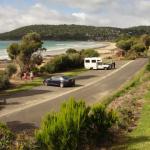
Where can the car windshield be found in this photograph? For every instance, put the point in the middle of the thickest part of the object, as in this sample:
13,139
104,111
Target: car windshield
65,77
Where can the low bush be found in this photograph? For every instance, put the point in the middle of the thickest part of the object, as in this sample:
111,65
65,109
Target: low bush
89,53
63,63
71,51
132,54
72,59
76,61
6,137
74,126
101,119
125,44
139,48
4,81
10,70
62,130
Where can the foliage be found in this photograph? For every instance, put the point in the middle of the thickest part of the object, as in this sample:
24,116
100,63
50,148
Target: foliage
63,62
62,130
101,119
132,54
76,60
4,82
23,53
139,47
6,137
145,39
74,126
71,51
65,32
10,70
89,53
125,44
13,51
75,32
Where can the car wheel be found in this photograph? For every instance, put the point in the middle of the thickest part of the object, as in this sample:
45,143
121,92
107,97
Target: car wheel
61,85
105,68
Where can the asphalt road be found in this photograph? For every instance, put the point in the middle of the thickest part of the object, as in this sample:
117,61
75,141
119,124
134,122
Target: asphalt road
102,86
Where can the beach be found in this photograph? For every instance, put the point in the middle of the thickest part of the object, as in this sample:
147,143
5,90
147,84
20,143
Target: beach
105,49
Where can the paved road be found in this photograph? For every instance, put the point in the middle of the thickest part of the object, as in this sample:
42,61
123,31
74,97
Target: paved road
104,82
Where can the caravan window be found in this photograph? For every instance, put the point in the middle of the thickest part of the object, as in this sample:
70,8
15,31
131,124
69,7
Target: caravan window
87,61
93,61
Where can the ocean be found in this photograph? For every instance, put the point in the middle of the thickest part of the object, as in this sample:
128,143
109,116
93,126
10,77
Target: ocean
54,47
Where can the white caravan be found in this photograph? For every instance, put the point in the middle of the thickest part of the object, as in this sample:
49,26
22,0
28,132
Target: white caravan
96,63
91,62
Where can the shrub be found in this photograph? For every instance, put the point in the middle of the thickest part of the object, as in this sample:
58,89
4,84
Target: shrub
71,51
132,54
35,70
76,60
58,63
139,48
6,137
148,66
125,44
62,130
102,119
74,126
63,63
89,53
10,70
4,82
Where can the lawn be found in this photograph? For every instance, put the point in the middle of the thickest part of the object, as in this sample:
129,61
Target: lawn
139,139
28,85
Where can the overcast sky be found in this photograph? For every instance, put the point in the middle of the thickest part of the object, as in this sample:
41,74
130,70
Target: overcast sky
116,13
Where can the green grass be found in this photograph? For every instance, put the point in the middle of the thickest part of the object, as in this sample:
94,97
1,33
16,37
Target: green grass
26,86
38,81
74,72
139,139
136,80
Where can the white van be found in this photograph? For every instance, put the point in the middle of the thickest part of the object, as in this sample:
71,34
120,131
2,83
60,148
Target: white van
92,62
96,63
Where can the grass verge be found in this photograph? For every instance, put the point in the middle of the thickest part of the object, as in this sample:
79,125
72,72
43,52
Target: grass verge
140,137
28,85
136,80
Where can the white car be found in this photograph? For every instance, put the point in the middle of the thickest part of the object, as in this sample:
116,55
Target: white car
104,66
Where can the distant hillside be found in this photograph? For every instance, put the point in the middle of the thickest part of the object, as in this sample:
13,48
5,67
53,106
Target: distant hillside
74,32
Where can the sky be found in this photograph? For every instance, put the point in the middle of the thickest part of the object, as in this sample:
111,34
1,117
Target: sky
115,13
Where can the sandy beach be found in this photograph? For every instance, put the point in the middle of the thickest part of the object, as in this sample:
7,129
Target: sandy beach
107,49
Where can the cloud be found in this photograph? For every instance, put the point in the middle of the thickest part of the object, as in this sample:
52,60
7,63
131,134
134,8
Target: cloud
119,13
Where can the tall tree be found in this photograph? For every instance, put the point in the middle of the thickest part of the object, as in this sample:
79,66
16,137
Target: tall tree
24,51
146,40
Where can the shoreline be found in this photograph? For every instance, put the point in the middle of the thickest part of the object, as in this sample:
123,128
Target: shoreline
61,50
105,49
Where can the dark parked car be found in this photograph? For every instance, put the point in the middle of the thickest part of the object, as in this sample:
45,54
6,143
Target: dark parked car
62,81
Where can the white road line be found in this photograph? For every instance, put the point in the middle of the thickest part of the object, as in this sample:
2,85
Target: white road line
35,102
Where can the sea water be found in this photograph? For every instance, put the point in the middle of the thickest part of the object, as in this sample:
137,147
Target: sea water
53,47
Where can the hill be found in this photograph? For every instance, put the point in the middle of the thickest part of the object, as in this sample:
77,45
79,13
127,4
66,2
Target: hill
74,32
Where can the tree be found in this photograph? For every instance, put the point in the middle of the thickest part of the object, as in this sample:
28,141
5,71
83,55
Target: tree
139,47
146,40
25,51
89,53
124,44
10,70
13,51
71,51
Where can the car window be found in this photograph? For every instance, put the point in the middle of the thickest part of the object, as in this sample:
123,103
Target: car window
99,63
66,78
93,61
54,78
87,61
